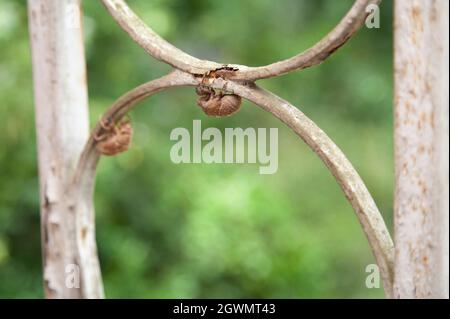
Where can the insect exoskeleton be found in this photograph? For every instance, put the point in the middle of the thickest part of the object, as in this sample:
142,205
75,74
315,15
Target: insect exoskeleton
115,139
217,104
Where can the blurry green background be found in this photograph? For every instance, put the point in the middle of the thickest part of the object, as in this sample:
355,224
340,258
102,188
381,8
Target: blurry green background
199,230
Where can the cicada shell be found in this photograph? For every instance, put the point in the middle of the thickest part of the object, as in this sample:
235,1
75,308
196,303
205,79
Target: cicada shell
115,140
217,104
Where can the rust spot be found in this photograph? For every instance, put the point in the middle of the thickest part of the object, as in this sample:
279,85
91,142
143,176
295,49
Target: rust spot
83,233
423,186
428,86
416,15
432,123
421,149
433,13
424,189
424,210
414,38
422,120
405,169
423,117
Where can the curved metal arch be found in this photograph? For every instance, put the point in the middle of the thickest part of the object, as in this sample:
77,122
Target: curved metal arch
337,163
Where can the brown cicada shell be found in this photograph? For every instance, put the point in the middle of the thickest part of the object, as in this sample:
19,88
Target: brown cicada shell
217,104
116,139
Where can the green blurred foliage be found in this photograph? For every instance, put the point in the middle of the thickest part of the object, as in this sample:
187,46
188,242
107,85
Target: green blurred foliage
199,230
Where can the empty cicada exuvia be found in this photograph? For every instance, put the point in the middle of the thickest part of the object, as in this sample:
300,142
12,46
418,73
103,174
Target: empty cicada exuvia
217,104
115,139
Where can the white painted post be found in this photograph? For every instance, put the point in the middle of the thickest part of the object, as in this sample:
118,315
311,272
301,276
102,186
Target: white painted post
61,105
421,148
